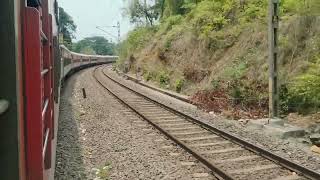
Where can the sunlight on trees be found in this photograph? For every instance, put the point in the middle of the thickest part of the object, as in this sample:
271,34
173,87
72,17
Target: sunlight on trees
95,45
67,27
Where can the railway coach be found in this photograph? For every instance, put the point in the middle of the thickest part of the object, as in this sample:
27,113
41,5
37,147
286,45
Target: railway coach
32,66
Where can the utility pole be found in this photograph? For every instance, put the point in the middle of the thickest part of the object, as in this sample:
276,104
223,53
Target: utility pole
273,58
119,31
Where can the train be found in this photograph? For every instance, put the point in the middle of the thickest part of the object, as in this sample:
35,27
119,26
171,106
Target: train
33,66
73,62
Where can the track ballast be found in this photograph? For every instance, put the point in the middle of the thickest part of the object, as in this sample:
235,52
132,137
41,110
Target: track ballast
227,156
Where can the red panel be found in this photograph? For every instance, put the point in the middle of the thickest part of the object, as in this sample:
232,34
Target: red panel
39,90
52,76
47,83
33,94
22,150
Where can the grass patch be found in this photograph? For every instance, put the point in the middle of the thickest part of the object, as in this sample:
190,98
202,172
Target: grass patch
103,172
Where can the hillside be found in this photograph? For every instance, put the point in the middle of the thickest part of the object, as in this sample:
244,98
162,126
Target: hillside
216,51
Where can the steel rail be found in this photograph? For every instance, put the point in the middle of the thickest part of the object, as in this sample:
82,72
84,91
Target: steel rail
302,170
215,170
157,89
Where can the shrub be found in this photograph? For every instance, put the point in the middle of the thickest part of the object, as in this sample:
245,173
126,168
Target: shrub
289,6
304,93
148,76
255,9
104,172
236,71
284,99
236,92
167,44
163,78
195,74
169,22
306,7
248,94
215,84
220,40
179,84
138,37
208,16
171,35
135,41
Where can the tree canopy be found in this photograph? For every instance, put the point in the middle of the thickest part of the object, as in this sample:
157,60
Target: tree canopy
95,45
142,12
147,12
67,27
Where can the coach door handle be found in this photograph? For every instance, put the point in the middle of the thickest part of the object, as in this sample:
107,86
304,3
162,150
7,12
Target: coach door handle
4,106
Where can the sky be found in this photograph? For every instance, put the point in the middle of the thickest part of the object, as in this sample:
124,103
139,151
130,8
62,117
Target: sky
88,14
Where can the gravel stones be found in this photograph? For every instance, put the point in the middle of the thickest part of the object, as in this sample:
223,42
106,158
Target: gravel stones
315,139
315,128
287,148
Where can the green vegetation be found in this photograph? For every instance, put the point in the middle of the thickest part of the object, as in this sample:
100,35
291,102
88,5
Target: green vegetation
135,41
163,79
95,45
67,27
235,71
90,45
103,173
304,91
149,76
221,45
179,84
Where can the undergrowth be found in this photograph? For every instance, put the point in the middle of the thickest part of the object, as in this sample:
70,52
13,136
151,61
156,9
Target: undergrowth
164,79
135,41
220,46
304,90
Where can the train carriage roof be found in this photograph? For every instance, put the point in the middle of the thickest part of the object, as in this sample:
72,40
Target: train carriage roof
63,48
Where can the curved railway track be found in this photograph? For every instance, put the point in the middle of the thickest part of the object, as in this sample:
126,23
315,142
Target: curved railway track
227,156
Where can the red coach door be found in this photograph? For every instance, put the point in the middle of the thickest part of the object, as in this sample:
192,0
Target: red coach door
38,69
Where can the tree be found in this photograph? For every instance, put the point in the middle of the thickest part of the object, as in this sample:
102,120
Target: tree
88,50
173,7
95,45
143,12
305,7
67,27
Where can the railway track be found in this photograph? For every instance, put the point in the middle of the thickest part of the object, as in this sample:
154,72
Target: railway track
227,156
